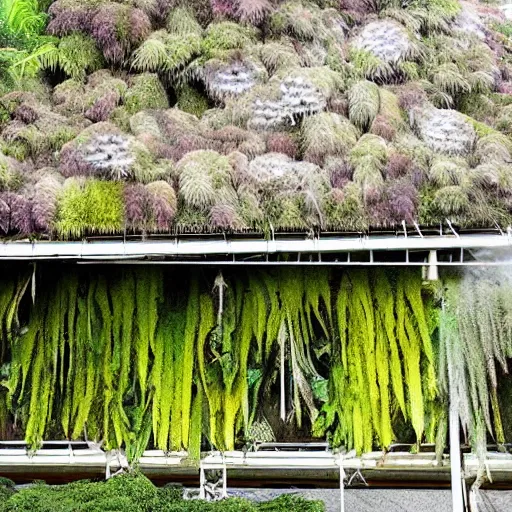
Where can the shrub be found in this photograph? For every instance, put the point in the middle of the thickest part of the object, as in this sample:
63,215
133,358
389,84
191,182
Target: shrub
76,55
297,19
162,51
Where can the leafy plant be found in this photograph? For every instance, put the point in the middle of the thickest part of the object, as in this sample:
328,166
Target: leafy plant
23,16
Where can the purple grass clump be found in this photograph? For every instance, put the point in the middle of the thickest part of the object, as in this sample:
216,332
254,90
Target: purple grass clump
44,203
26,114
163,204
224,8
398,165
102,107
21,214
229,134
282,143
5,211
65,20
338,105
505,88
253,11
340,171
118,28
163,8
136,200
383,128
188,143
358,9
403,201
72,162
410,96
224,216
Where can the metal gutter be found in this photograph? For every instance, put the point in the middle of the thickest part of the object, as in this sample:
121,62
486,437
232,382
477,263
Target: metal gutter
179,248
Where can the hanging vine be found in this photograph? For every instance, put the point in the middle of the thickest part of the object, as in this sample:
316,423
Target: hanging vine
139,357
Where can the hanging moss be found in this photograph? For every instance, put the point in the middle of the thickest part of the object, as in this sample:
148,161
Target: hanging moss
371,316
149,357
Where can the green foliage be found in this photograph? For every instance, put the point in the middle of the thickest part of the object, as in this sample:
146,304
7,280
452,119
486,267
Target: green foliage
163,52
364,103
132,492
383,337
89,206
145,91
75,54
22,17
226,35
191,101
133,360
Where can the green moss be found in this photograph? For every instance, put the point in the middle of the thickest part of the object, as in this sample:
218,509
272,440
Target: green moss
190,100
120,117
145,91
227,35
89,206
481,129
365,64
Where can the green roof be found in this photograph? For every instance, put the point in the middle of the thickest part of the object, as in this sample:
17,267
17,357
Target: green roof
212,116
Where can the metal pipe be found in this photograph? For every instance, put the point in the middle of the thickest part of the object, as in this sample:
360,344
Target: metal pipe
305,263
180,247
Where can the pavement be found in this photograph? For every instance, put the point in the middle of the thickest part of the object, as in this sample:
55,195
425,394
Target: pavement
367,500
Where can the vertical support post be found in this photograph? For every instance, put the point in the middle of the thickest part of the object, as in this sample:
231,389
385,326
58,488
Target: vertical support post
202,483
342,485
455,464
224,480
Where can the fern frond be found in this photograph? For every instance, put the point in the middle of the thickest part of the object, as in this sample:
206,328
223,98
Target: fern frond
23,16
182,22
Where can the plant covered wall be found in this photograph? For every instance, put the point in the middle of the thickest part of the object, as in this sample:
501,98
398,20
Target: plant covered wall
133,357
232,115
140,356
